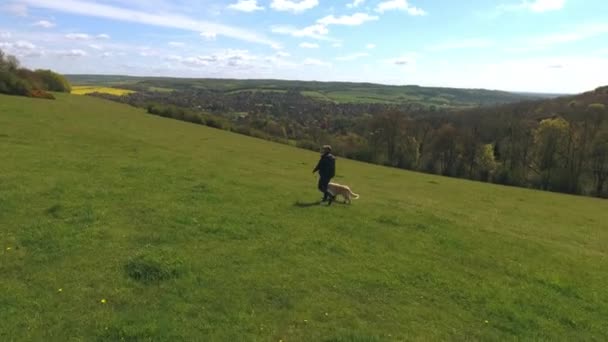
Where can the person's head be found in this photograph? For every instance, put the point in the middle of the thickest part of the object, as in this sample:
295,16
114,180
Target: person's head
325,149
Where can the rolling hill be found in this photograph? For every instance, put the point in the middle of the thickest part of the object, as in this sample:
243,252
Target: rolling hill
336,92
118,225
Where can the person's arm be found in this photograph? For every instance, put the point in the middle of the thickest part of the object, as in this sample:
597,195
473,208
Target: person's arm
332,166
317,167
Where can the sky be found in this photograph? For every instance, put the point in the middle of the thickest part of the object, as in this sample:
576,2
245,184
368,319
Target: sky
549,46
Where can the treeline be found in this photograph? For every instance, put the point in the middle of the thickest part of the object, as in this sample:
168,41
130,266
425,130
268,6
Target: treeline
565,152
200,118
16,80
556,145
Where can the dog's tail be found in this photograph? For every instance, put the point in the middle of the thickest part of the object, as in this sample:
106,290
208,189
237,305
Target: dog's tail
355,196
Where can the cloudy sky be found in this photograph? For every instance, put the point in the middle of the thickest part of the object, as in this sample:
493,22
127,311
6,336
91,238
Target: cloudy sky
522,45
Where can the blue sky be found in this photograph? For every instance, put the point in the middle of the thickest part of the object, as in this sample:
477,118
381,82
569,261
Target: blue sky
521,45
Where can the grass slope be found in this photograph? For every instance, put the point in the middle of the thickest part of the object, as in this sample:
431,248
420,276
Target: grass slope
119,225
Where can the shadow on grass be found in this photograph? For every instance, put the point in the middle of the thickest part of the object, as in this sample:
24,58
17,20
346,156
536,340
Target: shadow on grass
301,204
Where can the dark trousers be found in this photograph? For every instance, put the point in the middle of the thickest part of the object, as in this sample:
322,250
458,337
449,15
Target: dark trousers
323,183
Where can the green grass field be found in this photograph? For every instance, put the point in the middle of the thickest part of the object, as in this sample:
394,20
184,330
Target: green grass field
117,225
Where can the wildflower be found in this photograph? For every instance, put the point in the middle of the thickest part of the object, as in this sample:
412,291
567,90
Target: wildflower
8,248
60,290
103,301
486,321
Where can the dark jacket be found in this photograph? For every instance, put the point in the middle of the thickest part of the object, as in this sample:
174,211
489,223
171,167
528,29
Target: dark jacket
326,166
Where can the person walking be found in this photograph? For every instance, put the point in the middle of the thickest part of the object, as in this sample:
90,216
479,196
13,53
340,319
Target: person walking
327,170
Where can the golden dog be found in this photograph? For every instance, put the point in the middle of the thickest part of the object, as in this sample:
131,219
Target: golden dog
336,189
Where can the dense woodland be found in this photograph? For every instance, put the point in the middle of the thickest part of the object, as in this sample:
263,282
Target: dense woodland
16,80
554,144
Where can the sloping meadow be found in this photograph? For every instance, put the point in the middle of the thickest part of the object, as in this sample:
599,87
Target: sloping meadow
115,224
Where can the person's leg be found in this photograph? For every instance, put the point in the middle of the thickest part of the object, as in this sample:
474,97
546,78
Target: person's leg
321,188
327,194
323,183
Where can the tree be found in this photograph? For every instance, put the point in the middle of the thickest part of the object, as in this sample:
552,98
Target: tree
550,139
444,149
515,152
52,81
486,162
22,81
388,130
599,161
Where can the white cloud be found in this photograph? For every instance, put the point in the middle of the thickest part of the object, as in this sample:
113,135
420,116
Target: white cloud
370,46
15,8
283,54
21,48
96,47
353,56
78,36
246,6
349,20
337,45
537,6
580,33
176,44
552,74
208,35
85,36
462,44
174,58
402,5
545,5
44,24
316,31
72,53
356,3
307,45
315,62
224,58
5,35
319,30
24,45
167,19
574,34
195,61
295,6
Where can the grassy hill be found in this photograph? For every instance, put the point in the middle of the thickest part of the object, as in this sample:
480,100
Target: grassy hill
337,92
120,225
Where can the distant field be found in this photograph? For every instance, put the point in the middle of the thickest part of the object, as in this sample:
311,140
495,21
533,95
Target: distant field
338,92
257,90
160,90
83,90
116,225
